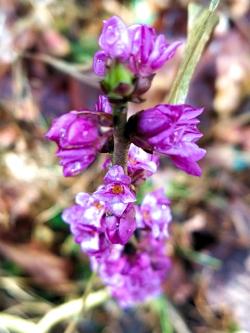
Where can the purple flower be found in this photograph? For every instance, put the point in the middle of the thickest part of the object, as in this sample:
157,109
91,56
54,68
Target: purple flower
155,213
75,160
95,244
170,130
93,209
132,274
103,105
116,192
120,229
106,217
78,138
85,220
72,130
149,52
104,112
107,164
114,38
141,165
99,63
88,212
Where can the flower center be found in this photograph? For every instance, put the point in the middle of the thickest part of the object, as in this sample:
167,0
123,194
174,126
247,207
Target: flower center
98,205
117,189
146,215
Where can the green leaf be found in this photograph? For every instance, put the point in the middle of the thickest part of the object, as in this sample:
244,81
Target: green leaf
160,305
200,258
11,267
214,4
170,319
56,222
201,23
233,327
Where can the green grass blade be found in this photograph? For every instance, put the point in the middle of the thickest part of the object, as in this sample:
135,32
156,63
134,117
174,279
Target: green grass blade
201,23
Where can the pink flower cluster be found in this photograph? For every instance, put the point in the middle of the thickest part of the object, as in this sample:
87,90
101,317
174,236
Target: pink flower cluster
107,217
169,130
103,223
134,274
138,46
126,241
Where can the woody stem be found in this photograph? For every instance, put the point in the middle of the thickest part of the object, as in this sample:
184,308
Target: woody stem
121,142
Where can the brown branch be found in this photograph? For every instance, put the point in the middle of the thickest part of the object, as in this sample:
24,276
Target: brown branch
121,142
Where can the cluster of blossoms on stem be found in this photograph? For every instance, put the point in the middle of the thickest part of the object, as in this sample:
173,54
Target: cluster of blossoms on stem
126,241
137,46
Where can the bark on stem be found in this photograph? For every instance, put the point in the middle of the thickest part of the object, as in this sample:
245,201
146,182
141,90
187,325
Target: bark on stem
121,142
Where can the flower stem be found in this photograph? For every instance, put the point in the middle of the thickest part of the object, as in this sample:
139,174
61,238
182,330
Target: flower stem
66,311
71,328
121,142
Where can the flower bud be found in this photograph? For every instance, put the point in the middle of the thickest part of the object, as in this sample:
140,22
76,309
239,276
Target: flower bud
79,139
114,38
169,130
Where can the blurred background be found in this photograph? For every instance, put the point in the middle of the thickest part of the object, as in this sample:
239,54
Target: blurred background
46,50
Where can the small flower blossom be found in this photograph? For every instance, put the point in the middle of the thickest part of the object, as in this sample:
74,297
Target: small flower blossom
99,63
85,219
88,212
93,209
170,130
95,243
116,192
78,138
107,163
120,229
114,38
75,160
141,165
106,217
72,130
134,275
149,52
155,213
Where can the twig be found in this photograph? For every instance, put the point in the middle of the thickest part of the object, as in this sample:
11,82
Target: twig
70,309
37,308
14,286
72,325
16,324
63,66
